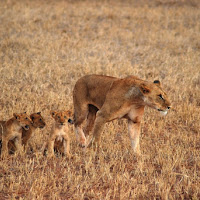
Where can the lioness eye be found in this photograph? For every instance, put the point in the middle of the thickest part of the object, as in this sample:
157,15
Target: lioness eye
160,95
65,117
26,118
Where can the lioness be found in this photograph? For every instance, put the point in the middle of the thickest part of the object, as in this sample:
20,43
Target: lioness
12,130
59,132
101,99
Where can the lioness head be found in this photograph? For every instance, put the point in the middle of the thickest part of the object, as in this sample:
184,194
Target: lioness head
38,121
61,117
23,119
155,97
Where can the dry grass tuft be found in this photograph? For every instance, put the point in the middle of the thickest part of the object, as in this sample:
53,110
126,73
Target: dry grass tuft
45,46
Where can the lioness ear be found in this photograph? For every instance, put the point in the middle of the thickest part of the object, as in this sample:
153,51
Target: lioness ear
157,82
144,89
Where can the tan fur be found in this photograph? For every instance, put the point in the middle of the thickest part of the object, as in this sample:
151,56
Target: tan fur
101,99
12,130
37,122
59,133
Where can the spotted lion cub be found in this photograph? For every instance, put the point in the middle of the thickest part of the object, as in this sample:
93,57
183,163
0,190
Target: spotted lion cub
59,132
12,130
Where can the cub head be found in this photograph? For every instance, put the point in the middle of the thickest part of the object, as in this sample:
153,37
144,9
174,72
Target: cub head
61,117
155,97
37,119
23,119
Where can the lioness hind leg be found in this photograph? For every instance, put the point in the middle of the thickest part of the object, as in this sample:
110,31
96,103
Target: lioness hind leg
80,136
90,119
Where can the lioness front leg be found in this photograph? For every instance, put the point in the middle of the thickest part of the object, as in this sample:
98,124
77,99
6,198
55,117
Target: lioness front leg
98,128
134,133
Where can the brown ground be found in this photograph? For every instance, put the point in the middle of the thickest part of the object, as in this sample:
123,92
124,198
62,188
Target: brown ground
45,46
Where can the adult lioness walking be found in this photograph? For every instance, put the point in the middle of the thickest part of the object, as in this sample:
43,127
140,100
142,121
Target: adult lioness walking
101,99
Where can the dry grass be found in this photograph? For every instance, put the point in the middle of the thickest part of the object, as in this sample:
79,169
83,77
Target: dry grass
45,46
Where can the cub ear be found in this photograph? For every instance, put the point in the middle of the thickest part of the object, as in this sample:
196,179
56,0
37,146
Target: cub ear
16,115
157,82
144,89
53,113
38,113
69,112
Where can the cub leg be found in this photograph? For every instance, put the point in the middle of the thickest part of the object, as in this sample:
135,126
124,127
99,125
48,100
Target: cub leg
18,144
25,138
11,146
44,148
66,144
4,149
51,146
25,143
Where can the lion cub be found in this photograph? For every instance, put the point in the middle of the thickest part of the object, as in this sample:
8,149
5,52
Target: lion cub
59,132
37,122
12,130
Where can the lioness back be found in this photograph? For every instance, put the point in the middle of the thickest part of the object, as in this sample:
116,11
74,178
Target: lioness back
86,89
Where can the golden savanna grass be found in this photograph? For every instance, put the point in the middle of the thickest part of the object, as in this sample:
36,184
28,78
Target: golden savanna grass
45,46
